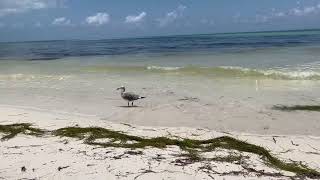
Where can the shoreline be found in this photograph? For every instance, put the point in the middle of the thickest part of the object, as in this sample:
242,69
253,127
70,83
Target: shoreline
93,120
42,156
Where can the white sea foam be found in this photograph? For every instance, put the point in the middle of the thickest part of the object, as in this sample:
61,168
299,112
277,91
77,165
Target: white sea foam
29,77
293,74
230,71
163,68
221,71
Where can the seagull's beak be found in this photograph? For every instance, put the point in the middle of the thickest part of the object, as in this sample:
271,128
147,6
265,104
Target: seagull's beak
117,88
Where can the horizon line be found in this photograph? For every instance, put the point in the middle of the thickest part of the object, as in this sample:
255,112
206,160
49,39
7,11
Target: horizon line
172,35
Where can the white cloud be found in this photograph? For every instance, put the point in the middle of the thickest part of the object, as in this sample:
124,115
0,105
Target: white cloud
98,19
38,24
261,18
297,12
172,16
136,19
61,21
238,18
7,11
8,7
309,9
207,22
304,11
279,14
274,14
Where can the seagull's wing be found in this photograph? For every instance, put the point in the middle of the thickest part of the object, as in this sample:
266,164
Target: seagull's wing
130,96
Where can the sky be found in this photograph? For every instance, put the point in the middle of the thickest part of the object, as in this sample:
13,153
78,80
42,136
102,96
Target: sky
32,20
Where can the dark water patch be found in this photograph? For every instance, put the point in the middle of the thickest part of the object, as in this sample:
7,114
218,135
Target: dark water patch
43,59
154,45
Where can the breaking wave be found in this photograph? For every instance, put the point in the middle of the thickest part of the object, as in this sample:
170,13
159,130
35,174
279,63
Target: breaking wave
32,77
221,71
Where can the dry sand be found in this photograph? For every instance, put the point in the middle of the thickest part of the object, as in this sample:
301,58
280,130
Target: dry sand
65,158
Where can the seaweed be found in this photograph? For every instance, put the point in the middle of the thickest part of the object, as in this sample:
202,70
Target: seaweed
12,130
297,108
193,148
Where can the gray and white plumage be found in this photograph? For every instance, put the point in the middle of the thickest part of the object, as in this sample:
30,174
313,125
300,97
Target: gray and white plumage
129,96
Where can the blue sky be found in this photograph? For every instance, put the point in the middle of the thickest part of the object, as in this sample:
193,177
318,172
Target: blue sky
24,20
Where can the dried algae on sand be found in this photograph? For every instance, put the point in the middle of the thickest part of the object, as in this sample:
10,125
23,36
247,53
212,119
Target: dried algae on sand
102,137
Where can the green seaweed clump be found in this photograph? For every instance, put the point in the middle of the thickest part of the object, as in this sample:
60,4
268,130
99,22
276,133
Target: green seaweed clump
192,147
297,108
108,138
11,130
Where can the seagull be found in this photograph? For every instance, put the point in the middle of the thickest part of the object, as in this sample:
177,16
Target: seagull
129,96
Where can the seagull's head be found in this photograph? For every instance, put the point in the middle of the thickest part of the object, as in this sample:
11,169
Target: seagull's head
121,88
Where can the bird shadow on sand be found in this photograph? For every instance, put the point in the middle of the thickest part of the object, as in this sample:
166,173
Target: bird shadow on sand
130,106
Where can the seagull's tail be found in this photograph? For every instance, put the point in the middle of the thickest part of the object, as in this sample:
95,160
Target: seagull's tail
142,97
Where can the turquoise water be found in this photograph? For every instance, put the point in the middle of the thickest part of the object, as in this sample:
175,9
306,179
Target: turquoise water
288,55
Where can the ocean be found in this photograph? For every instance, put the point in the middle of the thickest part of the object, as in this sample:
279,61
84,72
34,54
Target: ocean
274,55
259,69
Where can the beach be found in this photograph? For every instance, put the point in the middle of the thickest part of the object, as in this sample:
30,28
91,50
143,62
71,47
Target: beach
223,104
256,102
66,158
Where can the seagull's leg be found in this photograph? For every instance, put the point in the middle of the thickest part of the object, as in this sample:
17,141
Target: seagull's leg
128,103
132,103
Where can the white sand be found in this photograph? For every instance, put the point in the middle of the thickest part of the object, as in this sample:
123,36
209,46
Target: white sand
216,106
43,156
